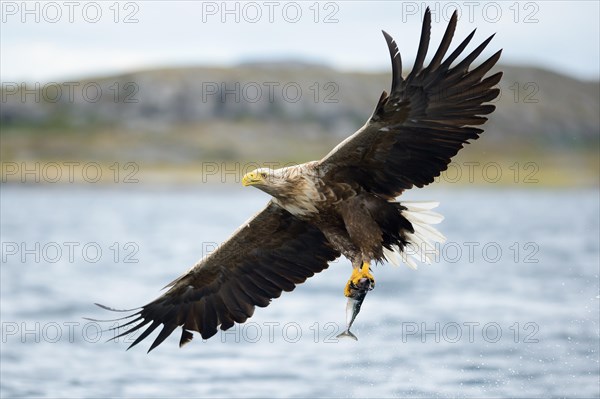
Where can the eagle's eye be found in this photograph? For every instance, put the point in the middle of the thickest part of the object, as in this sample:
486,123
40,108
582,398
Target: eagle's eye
263,175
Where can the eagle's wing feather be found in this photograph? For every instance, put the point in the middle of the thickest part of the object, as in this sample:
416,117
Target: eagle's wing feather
269,254
426,119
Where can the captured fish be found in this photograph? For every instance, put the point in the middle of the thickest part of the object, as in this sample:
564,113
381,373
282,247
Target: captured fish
357,296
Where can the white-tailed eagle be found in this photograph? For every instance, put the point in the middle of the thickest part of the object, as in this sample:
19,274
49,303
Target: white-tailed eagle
344,204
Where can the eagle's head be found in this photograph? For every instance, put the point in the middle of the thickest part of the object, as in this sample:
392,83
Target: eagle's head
271,181
279,183
292,187
283,183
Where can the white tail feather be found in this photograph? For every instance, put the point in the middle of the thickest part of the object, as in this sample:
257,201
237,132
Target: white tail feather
391,256
433,233
422,243
427,217
420,205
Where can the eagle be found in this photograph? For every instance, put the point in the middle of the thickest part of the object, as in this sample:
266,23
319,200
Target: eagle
344,204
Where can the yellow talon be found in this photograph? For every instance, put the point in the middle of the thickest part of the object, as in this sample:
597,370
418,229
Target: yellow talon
357,275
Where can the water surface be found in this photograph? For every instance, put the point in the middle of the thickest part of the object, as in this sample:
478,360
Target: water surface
509,309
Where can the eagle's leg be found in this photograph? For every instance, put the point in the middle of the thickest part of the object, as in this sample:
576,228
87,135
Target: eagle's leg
361,278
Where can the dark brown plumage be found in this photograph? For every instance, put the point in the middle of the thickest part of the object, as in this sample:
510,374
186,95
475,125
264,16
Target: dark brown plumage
424,121
343,204
272,253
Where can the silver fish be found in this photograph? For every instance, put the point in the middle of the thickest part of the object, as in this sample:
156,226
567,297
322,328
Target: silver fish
355,300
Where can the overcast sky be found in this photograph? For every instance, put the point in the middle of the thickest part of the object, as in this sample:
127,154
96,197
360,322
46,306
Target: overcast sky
46,41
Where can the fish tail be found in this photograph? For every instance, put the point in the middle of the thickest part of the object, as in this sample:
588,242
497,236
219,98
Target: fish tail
348,334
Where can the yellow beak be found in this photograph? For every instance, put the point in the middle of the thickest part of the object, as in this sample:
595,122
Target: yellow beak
250,179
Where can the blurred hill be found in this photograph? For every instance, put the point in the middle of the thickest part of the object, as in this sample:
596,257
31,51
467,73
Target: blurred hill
268,112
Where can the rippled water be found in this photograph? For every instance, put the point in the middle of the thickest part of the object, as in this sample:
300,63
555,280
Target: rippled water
510,308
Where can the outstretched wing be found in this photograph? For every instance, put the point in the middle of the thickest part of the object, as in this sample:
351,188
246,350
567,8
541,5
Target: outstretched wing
269,254
427,117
